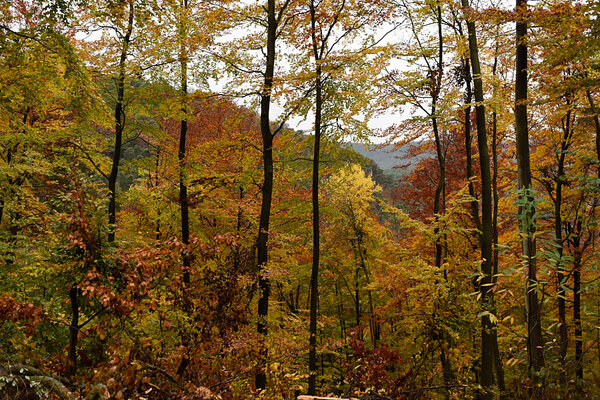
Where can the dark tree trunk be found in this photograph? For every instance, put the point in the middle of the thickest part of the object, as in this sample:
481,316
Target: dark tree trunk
183,189
119,126
497,359
267,192
561,274
468,152
577,313
527,225
11,192
436,83
487,302
596,125
374,328
314,278
181,155
73,331
357,299
158,211
439,205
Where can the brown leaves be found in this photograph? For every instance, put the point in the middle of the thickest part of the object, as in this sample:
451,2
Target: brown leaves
27,314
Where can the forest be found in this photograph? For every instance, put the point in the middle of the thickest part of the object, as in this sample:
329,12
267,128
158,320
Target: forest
184,214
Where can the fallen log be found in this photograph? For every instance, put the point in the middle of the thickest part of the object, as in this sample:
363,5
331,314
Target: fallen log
27,377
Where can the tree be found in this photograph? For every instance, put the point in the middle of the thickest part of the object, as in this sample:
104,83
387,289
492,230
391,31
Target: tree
488,324
527,207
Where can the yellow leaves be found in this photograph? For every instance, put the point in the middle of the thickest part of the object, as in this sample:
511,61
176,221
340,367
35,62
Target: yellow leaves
491,317
352,191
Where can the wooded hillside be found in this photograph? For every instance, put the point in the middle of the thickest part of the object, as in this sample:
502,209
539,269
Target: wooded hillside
165,233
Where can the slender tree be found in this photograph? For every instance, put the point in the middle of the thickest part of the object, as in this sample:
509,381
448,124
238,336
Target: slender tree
314,277
119,120
527,209
488,325
274,16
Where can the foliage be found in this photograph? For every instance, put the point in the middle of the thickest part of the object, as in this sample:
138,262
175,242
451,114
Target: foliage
400,278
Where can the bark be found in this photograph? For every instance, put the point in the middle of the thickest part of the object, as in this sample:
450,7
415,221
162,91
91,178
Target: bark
578,249
439,201
487,303
561,274
596,125
374,327
73,332
497,359
14,217
468,152
527,225
314,278
158,211
439,205
119,126
357,299
577,314
264,285
183,190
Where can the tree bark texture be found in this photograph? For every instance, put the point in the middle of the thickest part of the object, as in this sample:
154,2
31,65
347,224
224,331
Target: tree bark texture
487,326
73,331
314,278
527,225
264,285
119,126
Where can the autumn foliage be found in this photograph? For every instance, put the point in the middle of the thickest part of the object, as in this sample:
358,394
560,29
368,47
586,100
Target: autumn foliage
135,154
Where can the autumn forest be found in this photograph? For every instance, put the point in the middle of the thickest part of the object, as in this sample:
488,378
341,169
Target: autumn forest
187,210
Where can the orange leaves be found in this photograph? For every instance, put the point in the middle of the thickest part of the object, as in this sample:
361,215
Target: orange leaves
13,310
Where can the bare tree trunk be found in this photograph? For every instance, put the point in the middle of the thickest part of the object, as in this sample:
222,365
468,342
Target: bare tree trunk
577,314
497,359
527,212
314,278
596,125
436,82
468,152
561,275
119,126
487,302
264,285
183,190
181,155
73,331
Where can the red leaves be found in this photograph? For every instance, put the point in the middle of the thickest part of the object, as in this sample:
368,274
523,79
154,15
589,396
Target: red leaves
372,367
27,314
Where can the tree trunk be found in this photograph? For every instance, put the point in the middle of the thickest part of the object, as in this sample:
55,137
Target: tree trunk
577,313
119,126
596,125
487,302
314,278
156,183
267,193
468,152
183,190
527,212
561,275
73,331
181,155
439,201
357,299
497,359
374,328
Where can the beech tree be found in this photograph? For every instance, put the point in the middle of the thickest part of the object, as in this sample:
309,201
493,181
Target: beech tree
527,207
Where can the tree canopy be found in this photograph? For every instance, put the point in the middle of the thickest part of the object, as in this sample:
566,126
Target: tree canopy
167,230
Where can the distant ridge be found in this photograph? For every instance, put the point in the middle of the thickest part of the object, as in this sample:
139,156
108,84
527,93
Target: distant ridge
387,157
